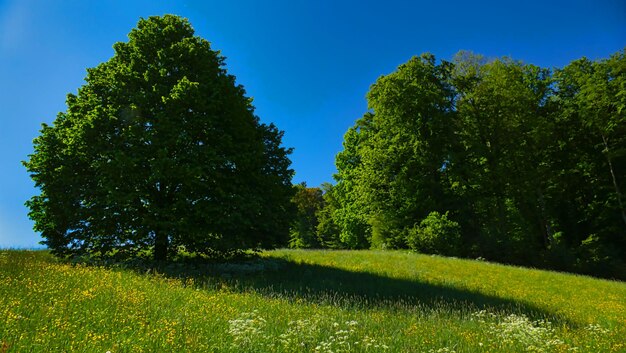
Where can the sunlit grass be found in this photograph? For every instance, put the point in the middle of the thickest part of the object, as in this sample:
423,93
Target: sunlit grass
306,301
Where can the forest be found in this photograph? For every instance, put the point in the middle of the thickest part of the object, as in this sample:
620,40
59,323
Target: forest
486,158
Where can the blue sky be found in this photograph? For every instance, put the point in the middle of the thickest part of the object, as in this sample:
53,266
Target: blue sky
308,64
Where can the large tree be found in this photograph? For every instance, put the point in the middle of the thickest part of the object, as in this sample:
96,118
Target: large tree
350,194
591,136
159,149
391,173
499,167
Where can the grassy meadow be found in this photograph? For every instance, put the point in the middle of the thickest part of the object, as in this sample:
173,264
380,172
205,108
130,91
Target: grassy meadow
306,301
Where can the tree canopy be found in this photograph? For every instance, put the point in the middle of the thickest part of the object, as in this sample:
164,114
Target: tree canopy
529,162
160,149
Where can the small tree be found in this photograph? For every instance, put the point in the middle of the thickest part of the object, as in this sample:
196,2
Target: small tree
160,148
436,234
308,202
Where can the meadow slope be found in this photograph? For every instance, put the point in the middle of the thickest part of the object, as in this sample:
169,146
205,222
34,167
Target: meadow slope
306,301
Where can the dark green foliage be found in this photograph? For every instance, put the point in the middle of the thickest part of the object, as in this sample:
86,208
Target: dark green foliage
308,202
160,149
436,234
500,128
531,163
592,102
328,232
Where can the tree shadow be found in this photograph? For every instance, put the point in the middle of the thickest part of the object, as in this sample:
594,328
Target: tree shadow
325,285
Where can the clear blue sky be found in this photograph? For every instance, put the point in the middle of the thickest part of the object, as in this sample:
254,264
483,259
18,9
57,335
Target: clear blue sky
308,64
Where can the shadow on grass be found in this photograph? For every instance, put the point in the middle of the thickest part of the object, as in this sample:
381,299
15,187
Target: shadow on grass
285,279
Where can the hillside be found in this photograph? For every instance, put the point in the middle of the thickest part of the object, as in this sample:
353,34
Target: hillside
306,301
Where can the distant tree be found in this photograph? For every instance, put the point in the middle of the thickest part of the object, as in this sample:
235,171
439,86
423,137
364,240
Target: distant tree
308,203
159,149
328,232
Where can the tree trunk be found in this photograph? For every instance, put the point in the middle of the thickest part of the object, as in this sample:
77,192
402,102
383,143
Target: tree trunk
614,178
161,245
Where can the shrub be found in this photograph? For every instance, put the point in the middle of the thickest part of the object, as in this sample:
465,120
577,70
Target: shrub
436,234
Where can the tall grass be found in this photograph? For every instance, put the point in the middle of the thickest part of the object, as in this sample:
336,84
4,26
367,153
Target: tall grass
306,301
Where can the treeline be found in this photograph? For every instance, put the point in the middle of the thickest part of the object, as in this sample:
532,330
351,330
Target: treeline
496,159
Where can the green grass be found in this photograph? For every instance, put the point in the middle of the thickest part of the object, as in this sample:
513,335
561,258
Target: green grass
306,301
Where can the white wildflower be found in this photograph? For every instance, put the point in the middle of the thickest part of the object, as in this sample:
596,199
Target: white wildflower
247,328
